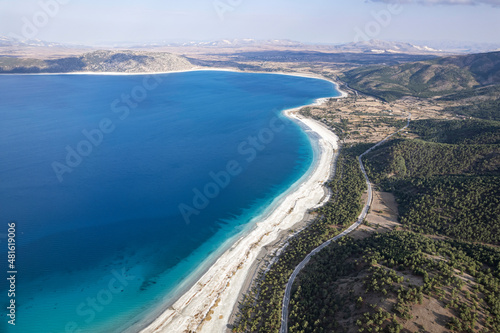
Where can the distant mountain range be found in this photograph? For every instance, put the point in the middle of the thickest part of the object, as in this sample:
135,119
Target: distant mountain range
7,41
99,61
429,75
379,46
372,46
461,47
236,43
436,77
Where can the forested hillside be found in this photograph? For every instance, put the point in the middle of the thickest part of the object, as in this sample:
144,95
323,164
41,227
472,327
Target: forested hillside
465,208
482,103
447,181
436,77
398,282
418,158
443,148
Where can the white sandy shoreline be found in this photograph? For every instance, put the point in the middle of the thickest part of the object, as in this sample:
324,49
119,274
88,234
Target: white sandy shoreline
215,293
208,304
194,69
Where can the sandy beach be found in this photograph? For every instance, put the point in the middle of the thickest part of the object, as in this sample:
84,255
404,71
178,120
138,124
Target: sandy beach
194,69
207,305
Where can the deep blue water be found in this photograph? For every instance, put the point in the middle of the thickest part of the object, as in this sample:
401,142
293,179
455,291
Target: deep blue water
100,232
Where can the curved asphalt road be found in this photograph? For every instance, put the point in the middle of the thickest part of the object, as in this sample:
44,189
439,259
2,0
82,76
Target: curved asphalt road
361,217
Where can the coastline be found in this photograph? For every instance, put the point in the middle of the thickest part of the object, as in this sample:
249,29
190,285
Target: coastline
198,309
196,69
223,281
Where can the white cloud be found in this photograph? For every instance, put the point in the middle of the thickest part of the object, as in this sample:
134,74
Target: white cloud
443,2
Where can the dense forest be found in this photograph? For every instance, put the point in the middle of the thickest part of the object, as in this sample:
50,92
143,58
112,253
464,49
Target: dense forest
454,147
418,158
375,284
457,131
261,309
483,109
447,181
463,207
482,103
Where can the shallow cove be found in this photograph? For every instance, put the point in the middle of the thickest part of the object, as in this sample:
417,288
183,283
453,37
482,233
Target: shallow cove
108,244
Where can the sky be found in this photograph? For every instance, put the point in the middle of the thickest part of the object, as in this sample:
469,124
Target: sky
311,21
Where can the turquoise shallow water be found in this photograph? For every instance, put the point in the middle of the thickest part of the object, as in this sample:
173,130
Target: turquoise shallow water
122,186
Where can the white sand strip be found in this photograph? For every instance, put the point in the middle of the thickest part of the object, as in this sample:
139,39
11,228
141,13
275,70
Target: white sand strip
193,69
207,306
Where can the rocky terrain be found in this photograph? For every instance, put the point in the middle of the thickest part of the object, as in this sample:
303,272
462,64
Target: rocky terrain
99,61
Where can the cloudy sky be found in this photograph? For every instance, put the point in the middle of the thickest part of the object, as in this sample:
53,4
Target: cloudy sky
325,21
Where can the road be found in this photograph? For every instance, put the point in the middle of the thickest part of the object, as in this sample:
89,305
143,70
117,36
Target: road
361,217
354,90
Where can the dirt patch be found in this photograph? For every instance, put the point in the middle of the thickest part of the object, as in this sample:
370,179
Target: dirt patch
382,216
359,118
430,316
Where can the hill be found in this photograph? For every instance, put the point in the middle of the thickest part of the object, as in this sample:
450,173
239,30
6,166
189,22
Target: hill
447,181
480,103
398,282
442,148
402,281
99,61
429,78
